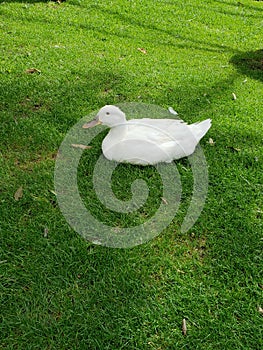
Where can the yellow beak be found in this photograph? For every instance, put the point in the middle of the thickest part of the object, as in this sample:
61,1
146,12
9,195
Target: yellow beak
94,122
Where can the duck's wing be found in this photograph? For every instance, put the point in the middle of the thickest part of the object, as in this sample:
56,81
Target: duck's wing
158,130
171,129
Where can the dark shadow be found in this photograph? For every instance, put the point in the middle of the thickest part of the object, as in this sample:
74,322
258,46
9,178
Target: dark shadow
26,1
239,4
109,297
249,63
159,35
174,38
238,14
104,302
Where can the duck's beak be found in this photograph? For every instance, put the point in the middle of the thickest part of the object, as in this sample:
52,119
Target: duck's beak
94,122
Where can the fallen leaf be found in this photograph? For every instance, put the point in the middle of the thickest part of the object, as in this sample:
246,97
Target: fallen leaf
32,71
53,192
211,142
260,310
59,47
234,149
164,200
45,232
142,50
184,328
19,193
75,145
234,96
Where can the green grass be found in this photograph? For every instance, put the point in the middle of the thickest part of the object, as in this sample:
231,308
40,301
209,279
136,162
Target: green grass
58,291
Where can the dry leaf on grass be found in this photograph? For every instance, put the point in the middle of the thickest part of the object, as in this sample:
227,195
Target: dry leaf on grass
32,71
75,145
53,192
184,328
142,50
164,200
260,310
19,193
234,96
45,232
234,149
211,142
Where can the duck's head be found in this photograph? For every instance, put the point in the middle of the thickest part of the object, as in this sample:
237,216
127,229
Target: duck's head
108,115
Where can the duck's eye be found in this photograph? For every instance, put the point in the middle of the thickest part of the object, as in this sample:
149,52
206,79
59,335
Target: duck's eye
107,113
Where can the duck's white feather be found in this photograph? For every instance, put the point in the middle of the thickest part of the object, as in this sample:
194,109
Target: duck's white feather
148,141
151,141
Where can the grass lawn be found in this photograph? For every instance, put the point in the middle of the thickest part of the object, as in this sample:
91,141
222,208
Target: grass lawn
60,62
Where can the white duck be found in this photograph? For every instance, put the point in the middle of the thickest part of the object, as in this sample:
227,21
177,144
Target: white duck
147,141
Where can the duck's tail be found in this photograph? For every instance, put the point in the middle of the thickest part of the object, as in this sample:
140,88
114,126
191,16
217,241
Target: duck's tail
201,128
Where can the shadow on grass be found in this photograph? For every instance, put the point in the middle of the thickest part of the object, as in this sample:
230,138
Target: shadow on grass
173,38
249,63
25,1
104,298
108,296
241,4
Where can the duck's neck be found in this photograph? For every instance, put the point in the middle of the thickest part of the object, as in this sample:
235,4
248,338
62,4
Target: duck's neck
118,131
115,121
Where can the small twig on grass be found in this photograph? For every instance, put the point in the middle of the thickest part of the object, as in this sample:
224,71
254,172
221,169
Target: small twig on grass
184,328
